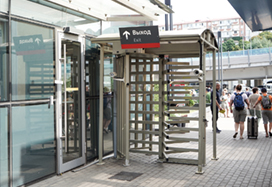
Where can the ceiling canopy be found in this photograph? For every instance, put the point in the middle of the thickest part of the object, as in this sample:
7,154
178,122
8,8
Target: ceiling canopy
257,14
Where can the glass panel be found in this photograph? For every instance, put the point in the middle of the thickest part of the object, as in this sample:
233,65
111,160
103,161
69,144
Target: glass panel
32,61
57,15
33,148
3,59
4,147
4,5
92,98
72,97
108,106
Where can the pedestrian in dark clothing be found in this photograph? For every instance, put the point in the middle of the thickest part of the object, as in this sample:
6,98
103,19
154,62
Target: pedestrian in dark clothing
218,102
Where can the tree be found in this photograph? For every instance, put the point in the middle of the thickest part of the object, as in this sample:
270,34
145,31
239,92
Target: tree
230,45
256,43
267,35
246,44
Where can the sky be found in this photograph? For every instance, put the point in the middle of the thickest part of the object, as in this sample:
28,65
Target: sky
191,10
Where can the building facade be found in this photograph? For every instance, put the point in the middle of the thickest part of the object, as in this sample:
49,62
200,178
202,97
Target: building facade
49,85
229,27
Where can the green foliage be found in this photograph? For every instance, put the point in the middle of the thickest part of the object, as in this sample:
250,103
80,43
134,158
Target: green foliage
246,44
229,45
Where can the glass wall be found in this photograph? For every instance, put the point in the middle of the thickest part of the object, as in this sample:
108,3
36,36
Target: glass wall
32,61
92,98
3,147
92,63
3,5
108,105
3,58
33,150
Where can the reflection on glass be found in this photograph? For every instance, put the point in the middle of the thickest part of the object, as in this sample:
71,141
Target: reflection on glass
33,143
3,147
3,59
32,61
92,98
72,143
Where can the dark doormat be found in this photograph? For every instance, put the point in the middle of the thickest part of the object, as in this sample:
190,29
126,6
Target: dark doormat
126,176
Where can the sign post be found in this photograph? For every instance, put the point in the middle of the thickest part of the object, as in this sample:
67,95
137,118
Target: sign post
139,37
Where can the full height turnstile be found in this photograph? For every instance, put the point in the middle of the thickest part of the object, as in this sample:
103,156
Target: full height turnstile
153,95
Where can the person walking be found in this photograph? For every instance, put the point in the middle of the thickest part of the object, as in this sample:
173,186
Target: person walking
247,92
224,103
239,112
217,100
253,98
265,101
208,95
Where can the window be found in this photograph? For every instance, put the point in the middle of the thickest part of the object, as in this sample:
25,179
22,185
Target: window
33,140
4,147
32,62
4,60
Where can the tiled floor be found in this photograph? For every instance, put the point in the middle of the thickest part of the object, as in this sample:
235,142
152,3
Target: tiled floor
246,162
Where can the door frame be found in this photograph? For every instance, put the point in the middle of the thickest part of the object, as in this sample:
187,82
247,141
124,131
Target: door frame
62,167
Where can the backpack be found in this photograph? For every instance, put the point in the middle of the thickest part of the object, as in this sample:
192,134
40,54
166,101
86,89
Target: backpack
266,103
239,101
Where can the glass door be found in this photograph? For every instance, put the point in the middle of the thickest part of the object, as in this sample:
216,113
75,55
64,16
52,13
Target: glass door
70,123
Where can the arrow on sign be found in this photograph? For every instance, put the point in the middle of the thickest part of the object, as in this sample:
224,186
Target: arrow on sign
38,41
126,33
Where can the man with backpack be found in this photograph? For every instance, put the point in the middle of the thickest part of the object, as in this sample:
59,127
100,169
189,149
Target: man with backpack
266,101
239,112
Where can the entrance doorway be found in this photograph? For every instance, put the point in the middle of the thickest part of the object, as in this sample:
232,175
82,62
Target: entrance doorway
70,102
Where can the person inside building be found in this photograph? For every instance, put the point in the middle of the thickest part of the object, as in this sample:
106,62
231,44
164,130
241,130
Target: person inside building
239,99
218,107
253,98
265,101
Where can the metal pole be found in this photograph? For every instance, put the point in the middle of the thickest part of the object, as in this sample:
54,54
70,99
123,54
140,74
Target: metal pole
127,124
218,53
166,22
221,65
101,85
171,19
167,2
202,111
214,106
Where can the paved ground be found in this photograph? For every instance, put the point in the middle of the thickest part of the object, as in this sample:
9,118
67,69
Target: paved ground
246,162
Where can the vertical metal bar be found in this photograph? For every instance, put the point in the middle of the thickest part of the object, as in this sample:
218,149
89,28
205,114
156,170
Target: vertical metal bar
65,97
204,119
171,19
101,85
114,116
248,57
10,142
161,108
221,64
166,22
218,53
202,110
228,59
214,106
82,121
127,124
58,106
270,60
136,102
